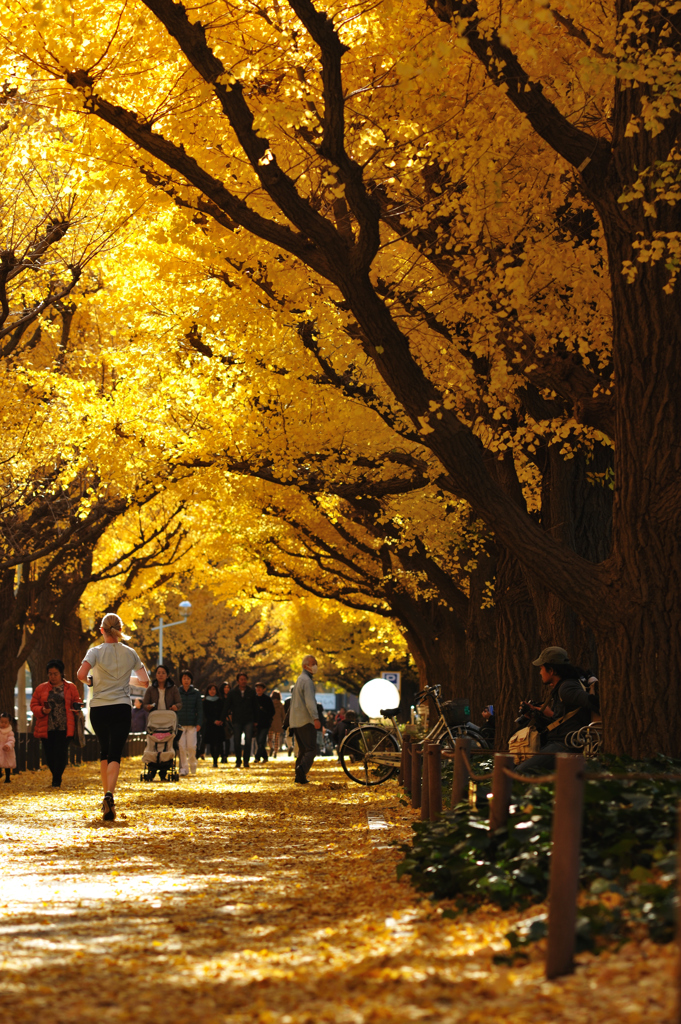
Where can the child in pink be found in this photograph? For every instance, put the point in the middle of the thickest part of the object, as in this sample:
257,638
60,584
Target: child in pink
8,758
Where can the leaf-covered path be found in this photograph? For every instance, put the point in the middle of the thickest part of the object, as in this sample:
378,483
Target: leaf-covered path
239,897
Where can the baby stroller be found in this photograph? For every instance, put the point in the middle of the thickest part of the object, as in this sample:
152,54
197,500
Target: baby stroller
159,753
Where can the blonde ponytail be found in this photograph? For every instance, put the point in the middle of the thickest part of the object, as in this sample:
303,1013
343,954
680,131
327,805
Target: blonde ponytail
112,625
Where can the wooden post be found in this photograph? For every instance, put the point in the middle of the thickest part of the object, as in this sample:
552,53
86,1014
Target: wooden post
415,777
461,773
501,792
434,781
564,881
425,787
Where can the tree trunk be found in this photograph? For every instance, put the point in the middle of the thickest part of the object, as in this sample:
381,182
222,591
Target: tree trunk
481,641
577,511
76,642
11,636
437,641
517,645
641,654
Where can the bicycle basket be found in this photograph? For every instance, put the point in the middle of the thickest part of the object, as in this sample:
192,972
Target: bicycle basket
456,712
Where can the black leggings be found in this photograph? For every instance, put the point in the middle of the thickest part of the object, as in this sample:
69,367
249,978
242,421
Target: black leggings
111,723
56,748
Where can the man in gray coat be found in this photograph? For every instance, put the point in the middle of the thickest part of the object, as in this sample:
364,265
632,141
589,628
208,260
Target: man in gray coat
303,718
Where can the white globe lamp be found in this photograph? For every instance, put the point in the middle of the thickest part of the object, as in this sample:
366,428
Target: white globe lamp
378,695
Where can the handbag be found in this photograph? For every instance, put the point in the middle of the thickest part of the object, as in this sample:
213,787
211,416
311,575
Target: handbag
78,738
527,740
524,743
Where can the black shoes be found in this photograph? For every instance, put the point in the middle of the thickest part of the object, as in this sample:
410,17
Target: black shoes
108,807
301,782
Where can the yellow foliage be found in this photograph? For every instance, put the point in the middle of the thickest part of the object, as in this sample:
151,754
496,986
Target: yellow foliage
239,897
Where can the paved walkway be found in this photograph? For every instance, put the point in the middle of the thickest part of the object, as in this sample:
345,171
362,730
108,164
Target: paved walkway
238,897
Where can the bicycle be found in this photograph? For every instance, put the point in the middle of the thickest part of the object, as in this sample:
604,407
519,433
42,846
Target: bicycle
370,754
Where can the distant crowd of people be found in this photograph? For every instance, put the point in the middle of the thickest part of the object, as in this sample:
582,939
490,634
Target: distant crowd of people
244,720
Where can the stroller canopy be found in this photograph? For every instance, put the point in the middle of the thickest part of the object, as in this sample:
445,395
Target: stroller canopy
162,721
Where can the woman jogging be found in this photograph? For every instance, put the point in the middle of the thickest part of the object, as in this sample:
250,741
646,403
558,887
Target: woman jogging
111,665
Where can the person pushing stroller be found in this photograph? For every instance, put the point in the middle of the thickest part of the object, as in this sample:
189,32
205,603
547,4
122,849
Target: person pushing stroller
162,700
159,753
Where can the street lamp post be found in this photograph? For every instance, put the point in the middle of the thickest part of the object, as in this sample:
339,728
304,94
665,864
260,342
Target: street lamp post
185,608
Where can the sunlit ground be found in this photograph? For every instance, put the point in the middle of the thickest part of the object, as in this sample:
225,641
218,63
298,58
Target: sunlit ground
236,896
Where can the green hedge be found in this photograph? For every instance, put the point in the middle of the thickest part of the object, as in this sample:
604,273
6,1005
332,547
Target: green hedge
628,847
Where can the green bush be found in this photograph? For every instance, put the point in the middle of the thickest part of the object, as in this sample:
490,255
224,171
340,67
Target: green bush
628,847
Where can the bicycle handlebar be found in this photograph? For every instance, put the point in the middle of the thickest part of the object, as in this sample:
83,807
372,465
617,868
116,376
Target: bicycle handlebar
427,691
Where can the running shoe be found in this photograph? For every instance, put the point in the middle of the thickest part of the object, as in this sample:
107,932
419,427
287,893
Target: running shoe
108,807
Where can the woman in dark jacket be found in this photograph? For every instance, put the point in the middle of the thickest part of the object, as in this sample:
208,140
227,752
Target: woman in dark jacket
227,727
163,694
213,722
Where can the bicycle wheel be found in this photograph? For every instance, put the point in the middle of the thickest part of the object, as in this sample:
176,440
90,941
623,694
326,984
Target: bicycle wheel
369,755
479,742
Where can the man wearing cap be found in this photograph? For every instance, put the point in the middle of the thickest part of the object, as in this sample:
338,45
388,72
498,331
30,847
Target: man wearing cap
569,707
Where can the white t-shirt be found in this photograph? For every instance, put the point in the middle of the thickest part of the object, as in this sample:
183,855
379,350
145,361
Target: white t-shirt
161,706
112,666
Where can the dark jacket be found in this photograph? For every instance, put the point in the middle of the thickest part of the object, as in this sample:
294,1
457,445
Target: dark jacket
242,706
213,710
264,711
139,720
192,707
340,730
567,696
172,695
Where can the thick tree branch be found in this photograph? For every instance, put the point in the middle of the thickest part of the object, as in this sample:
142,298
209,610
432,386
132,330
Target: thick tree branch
589,154
238,211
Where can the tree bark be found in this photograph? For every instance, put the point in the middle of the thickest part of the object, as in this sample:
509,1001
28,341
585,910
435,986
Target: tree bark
11,638
437,641
481,640
517,645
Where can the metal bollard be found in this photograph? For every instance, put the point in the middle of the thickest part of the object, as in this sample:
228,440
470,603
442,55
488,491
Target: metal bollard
564,880
403,760
406,764
501,792
425,788
434,781
461,774
415,777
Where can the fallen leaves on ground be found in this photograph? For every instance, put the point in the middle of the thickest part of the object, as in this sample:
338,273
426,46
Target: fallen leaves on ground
236,896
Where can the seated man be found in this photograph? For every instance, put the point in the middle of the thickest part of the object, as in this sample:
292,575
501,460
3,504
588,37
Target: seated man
569,707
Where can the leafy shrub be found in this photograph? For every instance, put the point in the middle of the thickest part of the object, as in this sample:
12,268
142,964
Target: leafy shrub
627,850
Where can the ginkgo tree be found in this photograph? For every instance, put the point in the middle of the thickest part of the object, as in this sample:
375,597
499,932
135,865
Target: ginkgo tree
476,227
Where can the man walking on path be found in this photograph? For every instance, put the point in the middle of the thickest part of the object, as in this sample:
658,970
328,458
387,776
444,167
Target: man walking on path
241,705
190,718
303,720
263,720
